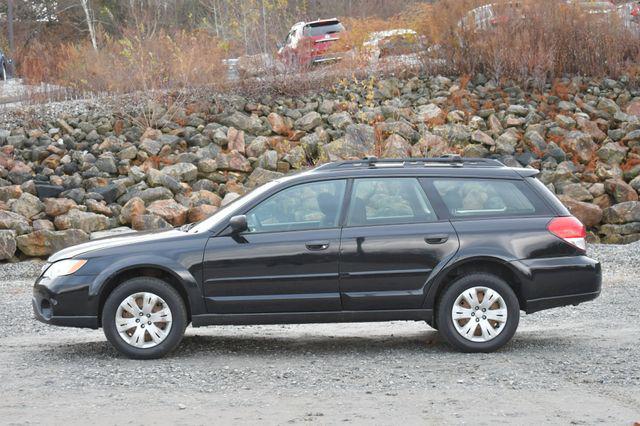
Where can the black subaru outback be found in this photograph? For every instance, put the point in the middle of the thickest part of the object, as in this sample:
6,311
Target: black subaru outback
463,244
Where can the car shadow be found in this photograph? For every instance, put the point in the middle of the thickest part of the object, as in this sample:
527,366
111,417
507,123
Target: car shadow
323,344
426,342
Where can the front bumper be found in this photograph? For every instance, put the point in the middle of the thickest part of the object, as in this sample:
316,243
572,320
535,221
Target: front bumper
65,301
553,282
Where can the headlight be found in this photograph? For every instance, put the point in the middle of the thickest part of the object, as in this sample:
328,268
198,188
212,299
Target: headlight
63,267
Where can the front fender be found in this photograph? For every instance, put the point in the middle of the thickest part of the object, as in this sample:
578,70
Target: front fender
170,266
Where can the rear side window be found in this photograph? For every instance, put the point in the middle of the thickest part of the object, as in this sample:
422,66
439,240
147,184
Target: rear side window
388,201
487,197
549,196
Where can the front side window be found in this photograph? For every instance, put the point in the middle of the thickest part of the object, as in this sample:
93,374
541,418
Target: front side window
307,206
388,201
485,197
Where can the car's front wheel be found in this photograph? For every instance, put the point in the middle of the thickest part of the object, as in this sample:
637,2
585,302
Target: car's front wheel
144,318
478,312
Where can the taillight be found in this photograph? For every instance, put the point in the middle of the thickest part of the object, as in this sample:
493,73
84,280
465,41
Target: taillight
570,230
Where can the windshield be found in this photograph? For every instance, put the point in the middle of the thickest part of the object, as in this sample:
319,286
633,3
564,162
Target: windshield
232,207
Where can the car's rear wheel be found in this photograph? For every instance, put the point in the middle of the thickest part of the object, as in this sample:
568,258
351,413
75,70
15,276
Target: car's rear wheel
478,313
144,318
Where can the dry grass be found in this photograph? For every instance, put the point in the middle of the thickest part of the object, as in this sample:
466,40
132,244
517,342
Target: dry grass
132,62
542,40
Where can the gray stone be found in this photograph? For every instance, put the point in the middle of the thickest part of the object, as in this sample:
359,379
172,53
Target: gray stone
45,242
261,176
622,213
27,205
309,121
184,172
7,244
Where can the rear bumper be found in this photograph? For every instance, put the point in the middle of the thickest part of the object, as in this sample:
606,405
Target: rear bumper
552,282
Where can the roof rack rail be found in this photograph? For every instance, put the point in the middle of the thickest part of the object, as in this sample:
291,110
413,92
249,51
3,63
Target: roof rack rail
444,160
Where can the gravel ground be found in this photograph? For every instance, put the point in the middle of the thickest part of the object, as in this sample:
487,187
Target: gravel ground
577,365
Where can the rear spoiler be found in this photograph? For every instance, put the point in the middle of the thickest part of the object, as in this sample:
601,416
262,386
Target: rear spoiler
526,172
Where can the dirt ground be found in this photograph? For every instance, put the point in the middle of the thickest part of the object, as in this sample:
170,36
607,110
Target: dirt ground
577,365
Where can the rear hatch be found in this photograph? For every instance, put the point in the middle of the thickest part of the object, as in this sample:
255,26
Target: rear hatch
322,35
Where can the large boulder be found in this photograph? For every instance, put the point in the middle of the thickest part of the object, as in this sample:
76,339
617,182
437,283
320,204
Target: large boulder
169,210
157,178
233,161
27,205
45,242
396,147
7,244
620,190
261,176
580,145
280,125
87,221
201,212
428,112
309,121
14,221
150,195
184,172
359,141
132,208
58,206
622,213
612,153
589,214
146,222
249,123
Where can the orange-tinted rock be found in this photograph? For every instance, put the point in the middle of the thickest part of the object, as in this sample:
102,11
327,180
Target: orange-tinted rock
169,210
201,212
57,206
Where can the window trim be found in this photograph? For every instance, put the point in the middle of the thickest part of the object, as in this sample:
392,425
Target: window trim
542,209
273,194
438,217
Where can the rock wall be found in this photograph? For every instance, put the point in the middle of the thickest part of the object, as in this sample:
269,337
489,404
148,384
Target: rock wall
84,175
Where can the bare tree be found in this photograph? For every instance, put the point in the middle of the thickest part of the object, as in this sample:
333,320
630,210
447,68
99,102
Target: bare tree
88,12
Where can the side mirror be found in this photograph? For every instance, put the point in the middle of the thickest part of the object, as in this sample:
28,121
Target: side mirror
238,223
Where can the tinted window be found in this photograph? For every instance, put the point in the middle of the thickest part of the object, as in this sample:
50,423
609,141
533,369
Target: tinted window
313,205
313,30
388,201
467,197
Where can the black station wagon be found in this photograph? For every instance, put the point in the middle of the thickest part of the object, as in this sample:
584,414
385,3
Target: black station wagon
462,244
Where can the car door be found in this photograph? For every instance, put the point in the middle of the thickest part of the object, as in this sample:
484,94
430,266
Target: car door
287,261
391,243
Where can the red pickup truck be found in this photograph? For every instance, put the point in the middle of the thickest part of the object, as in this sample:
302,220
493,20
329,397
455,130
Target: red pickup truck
310,43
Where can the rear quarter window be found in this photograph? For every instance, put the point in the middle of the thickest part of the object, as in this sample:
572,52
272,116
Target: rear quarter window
465,198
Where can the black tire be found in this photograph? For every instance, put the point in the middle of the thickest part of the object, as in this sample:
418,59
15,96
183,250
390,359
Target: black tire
163,290
446,301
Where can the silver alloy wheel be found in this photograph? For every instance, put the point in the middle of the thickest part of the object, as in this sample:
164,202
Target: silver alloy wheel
143,320
479,314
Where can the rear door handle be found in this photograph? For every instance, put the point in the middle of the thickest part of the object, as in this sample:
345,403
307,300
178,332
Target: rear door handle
436,239
317,245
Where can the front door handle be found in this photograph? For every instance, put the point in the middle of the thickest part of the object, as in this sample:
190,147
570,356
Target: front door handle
436,239
317,245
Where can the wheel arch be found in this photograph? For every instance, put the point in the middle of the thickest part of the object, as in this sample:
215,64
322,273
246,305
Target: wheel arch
492,265
134,271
